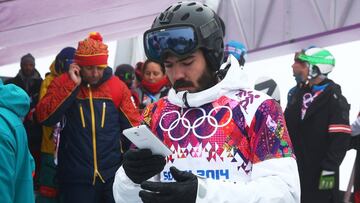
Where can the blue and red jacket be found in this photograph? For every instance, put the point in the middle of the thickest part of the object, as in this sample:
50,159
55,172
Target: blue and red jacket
94,117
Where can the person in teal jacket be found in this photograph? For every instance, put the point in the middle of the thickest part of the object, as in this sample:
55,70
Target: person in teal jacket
17,164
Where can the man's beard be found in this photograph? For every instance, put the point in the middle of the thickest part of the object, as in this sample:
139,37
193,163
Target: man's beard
206,81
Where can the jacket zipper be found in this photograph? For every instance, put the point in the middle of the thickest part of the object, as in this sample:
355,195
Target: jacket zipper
93,132
82,116
103,115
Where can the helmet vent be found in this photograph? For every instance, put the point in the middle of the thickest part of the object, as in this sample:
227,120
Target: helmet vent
199,9
186,16
168,8
177,7
161,16
191,4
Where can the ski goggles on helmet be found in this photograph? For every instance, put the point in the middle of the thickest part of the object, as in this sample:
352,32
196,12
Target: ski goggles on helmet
180,41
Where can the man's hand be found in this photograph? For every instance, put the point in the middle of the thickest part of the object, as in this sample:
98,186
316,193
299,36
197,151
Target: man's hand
327,180
140,165
74,72
183,190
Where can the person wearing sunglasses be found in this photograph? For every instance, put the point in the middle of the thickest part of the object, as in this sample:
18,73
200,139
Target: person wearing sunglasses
317,117
229,142
126,73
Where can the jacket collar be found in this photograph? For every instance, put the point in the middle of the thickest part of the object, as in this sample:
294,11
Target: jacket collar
321,99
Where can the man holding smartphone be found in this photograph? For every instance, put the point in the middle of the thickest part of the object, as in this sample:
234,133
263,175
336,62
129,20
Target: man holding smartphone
94,107
229,142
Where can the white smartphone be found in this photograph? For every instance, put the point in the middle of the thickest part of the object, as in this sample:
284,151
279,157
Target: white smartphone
143,138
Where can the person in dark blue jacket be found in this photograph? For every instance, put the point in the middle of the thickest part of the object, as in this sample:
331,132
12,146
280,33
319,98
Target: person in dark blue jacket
94,107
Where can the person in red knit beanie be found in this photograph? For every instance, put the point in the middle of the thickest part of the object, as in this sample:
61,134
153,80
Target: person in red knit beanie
94,107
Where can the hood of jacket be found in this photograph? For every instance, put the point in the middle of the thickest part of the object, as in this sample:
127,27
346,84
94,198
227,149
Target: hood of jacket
234,80
53,69
14,99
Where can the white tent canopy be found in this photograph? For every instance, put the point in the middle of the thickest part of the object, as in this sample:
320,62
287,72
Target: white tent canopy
43,27
271,28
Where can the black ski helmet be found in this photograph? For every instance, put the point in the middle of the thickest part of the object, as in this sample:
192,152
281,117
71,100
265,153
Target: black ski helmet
208,27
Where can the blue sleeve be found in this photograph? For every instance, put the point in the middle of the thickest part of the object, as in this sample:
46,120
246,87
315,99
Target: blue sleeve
7,166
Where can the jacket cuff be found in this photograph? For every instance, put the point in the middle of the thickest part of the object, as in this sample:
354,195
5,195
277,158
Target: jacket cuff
124,190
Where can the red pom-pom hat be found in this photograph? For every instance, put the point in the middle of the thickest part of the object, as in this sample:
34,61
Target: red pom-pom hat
92,51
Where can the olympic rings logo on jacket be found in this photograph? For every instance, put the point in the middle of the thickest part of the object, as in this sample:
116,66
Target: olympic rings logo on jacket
199,121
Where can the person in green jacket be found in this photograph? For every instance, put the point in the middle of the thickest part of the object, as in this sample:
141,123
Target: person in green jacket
17,164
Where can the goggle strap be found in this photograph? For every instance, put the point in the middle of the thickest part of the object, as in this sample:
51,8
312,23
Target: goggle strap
209,28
